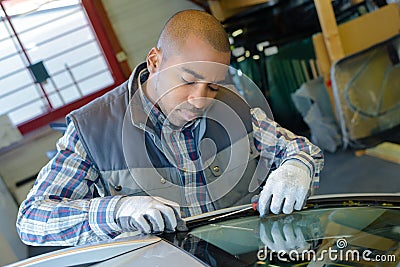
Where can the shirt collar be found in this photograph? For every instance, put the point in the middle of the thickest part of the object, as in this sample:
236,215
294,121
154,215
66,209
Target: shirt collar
152,111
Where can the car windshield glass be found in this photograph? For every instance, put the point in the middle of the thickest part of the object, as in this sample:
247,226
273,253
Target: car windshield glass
349,236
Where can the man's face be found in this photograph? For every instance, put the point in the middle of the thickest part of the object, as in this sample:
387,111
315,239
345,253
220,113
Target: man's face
186,84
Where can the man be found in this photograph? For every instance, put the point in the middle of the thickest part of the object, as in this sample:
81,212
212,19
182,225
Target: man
132,160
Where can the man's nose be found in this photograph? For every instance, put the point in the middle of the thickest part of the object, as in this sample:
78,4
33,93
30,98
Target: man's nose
198,96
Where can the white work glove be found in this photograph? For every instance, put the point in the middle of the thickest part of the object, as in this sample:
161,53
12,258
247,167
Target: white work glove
286,188
148,215
291,232
283,235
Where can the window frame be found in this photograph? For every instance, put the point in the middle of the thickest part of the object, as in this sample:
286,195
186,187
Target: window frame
109,46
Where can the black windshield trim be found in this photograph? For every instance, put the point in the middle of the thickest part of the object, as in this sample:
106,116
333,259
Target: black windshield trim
385,201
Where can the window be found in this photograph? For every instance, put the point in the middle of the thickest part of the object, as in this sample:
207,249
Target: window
50,61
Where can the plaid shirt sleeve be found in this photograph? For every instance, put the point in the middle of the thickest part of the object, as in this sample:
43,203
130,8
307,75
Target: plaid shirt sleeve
278,145
60,208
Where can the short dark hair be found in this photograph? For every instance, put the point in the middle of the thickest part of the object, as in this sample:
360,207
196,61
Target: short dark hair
196,22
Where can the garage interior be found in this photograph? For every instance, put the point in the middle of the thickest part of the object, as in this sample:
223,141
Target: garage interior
59,55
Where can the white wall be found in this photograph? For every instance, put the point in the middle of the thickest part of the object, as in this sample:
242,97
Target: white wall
138,23
26,159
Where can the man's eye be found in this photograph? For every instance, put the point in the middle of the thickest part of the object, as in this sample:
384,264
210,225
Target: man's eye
187,82
213,87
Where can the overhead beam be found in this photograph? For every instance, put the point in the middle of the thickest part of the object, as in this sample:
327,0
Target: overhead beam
329,28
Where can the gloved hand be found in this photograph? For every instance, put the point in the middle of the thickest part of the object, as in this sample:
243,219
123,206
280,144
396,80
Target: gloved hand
283,235
148,215
291,232
286,188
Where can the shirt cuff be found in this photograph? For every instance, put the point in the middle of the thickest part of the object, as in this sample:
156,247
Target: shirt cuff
302,161
101,216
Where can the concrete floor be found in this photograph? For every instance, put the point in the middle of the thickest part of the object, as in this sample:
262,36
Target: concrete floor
346,173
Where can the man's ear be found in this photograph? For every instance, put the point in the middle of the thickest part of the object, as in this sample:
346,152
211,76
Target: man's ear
153,60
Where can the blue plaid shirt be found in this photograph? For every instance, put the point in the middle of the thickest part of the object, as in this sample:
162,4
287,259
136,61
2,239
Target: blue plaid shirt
60,208
180,146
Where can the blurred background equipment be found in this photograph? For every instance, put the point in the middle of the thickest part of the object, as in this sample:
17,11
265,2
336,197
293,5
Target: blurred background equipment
367,95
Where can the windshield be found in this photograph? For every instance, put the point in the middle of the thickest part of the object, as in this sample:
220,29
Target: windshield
351,236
